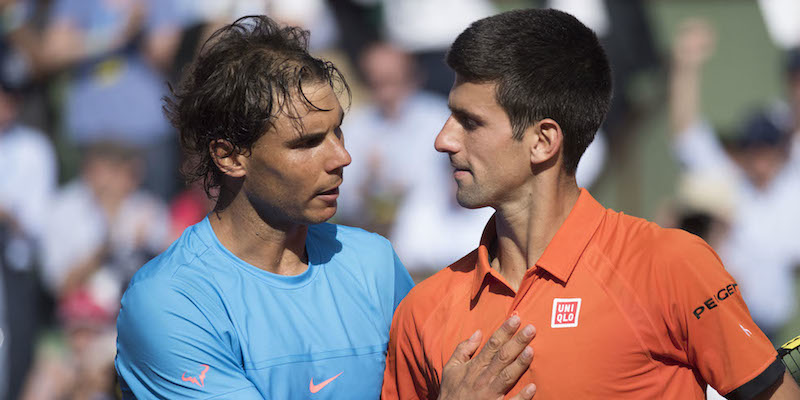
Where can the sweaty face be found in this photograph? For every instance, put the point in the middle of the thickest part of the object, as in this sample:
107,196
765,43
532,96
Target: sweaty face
293,173
490,166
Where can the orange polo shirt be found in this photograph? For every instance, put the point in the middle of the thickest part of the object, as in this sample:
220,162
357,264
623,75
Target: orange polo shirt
623,309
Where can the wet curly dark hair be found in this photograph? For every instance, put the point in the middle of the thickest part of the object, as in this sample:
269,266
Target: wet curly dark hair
246,74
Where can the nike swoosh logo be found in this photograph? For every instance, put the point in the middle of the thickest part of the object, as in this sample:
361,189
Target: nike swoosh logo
316,388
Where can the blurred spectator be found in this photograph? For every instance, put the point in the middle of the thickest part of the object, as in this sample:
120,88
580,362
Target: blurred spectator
83,367
102,226
625,31
426,28
114,52
390,140
704,206
200,18
359,24
760,250
29,177
188,208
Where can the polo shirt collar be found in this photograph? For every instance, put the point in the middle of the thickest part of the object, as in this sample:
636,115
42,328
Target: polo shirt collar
562,253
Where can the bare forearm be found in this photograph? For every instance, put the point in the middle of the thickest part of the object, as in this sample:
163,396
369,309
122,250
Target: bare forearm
693,46
684,98
784,389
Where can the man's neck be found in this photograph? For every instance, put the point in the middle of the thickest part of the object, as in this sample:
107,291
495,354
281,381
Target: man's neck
526,227
276,248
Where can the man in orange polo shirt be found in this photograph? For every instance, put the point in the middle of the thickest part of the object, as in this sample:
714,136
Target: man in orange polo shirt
623,309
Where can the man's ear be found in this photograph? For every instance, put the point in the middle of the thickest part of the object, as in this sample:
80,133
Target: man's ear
547,141
229,161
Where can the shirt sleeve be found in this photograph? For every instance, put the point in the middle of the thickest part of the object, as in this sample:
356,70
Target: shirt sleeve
711,325
171,345
404,377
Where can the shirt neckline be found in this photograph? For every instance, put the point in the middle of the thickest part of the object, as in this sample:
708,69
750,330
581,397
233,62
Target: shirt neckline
562,253
207,235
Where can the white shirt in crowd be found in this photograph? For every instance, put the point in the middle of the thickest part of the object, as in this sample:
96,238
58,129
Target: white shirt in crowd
761,249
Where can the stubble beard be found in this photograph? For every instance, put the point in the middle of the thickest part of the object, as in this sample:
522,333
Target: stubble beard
468,196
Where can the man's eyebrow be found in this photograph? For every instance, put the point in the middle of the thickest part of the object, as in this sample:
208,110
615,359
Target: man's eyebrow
462,114
307,138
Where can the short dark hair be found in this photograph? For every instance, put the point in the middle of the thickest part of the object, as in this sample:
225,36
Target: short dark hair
245,75
546,64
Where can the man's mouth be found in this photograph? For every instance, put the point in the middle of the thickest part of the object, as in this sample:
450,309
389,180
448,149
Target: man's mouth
329,195
329,192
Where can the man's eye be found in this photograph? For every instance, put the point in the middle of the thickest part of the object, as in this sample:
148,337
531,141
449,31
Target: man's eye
309,143
469,124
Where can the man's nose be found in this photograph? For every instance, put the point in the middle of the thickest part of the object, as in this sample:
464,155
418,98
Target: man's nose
445,141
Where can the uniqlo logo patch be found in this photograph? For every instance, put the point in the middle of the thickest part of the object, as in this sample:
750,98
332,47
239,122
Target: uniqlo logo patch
565,313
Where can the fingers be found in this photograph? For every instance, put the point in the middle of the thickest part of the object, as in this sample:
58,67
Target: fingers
500,337
506,379
526,393
465,350
511,350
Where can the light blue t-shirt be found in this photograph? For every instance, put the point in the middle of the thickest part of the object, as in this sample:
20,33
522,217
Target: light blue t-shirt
198,322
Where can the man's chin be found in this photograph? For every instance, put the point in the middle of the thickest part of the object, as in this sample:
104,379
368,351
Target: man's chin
320,216
470,202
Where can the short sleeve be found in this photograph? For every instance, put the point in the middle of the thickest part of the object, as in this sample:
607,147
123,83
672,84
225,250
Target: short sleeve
711,324
172,344
404,377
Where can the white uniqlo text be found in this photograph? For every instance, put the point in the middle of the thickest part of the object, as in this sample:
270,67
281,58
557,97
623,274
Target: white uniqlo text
565,313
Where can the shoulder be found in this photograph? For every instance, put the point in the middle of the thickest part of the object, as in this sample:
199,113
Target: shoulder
171,294
648,253
623,236
182,265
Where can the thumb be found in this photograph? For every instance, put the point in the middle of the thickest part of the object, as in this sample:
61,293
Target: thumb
465,349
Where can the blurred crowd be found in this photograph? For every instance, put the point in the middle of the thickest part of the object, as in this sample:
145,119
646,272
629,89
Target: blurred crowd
91,188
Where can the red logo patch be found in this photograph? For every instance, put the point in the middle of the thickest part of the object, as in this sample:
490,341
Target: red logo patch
200,379
565,313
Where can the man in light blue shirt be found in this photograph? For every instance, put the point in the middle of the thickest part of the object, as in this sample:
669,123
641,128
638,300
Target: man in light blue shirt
262,299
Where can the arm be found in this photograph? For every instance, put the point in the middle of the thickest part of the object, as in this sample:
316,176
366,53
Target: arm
174,342
693,46
163,36
709,323
695,143
784,388
64,43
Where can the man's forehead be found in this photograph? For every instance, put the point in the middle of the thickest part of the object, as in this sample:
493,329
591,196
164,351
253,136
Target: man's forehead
473,96
313,111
